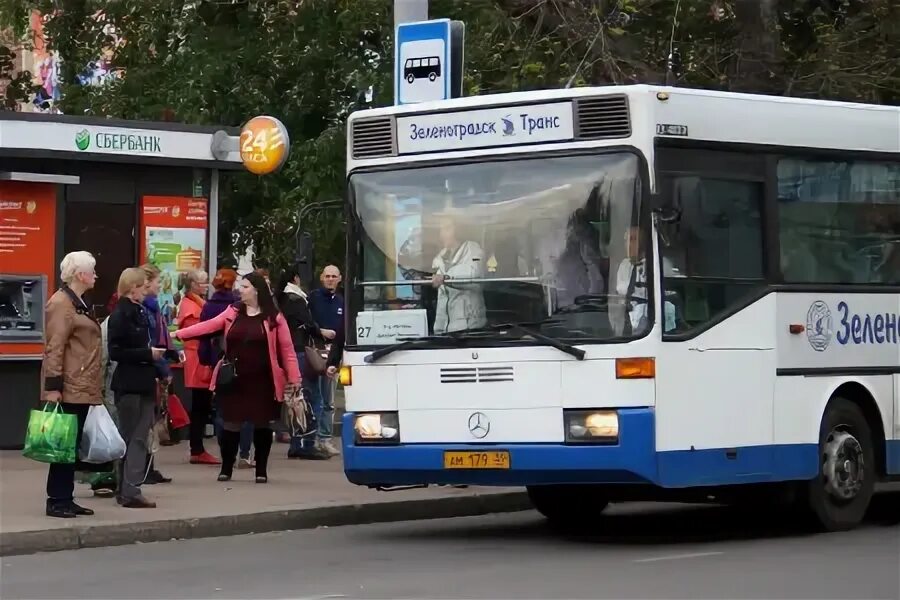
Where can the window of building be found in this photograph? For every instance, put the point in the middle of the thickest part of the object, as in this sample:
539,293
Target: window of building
839,221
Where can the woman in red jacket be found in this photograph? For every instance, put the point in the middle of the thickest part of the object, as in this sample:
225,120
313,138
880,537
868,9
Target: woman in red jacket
258,345
197,376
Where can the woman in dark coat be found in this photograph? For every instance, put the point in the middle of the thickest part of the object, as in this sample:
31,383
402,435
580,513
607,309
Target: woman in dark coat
305,333
212,348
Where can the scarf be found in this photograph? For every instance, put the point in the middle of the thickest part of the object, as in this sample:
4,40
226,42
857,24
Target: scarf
292,288
195,298
152,304
156,325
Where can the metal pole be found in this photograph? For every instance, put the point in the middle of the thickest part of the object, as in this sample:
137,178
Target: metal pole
213,242
407,11
410,11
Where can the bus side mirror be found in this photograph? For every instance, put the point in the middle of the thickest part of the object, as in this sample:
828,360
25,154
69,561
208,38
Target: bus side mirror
665,210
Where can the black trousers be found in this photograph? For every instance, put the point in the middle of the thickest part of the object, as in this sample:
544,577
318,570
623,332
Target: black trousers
201,407
61,477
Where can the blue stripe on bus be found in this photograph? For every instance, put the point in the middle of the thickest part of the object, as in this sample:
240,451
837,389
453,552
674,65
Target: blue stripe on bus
893,457
633,460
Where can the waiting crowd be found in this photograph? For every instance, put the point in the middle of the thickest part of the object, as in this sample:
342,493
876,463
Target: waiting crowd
256,362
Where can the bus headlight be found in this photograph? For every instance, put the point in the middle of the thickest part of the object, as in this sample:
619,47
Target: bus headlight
377,428
592,426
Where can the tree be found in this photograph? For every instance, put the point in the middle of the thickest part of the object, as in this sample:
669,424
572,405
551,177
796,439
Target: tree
310,62
211,62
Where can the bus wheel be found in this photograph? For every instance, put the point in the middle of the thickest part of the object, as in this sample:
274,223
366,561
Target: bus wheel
839,496
410,78
567,504
432,76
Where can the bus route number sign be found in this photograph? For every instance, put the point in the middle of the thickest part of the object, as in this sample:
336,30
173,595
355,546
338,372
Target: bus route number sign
264,145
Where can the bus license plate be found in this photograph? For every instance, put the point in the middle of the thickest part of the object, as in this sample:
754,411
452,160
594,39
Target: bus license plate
476,460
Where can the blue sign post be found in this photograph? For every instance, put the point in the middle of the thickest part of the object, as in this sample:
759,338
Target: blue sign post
428,61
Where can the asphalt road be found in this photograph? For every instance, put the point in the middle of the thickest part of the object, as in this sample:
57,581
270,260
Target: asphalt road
636,551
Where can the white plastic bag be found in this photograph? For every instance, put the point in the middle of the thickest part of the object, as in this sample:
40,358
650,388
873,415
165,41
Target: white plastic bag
101,442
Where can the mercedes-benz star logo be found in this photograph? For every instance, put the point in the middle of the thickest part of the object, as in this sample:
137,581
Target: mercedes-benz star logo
479,425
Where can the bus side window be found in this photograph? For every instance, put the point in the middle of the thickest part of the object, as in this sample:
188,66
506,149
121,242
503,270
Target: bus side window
839,222
712,257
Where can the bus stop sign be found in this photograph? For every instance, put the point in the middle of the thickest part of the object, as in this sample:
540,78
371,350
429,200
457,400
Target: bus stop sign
428,61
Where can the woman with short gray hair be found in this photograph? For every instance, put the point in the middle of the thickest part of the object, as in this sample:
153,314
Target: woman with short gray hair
71,371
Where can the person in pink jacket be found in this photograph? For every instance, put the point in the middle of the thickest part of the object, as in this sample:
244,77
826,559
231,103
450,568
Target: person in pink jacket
196,375
260,352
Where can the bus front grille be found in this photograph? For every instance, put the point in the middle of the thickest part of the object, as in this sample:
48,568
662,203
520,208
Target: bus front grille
502,374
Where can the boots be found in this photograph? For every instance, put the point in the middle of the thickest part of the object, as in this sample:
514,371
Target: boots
262,441
230,442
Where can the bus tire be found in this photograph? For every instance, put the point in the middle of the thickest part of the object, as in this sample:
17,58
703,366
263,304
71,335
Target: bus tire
567,504
839,496
410,78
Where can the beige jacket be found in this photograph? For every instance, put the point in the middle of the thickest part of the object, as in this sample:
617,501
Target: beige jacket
72,351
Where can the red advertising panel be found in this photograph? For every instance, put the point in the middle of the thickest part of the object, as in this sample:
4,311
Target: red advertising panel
27,257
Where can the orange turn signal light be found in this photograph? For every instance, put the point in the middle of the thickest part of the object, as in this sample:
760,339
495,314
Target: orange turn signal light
345,376
635,368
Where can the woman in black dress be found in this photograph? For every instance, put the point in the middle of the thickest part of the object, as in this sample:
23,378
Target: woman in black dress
258,344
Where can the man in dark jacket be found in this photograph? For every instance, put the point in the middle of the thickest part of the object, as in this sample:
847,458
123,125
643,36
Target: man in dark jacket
327,307
134,383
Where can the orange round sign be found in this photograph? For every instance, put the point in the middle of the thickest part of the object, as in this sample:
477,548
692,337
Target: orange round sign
264,145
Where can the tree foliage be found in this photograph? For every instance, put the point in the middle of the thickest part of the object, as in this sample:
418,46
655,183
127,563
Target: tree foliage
310,62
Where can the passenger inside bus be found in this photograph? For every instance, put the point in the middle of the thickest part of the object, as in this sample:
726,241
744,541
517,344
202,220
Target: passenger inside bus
460,306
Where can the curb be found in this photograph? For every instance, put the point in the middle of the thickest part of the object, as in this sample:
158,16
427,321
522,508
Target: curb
54,540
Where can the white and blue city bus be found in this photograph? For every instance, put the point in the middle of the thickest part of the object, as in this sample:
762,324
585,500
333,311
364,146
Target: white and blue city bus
621,293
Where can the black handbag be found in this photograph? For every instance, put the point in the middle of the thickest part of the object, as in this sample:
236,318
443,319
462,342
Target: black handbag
226,377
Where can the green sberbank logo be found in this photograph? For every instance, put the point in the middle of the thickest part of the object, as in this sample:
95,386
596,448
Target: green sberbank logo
119,142
83,139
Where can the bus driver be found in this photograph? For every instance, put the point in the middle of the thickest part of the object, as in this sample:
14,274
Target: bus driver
460,306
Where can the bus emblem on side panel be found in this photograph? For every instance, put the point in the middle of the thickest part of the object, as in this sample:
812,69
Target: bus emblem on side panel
819,326
479,425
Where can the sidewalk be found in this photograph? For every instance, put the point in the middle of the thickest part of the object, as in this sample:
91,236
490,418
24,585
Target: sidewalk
300,494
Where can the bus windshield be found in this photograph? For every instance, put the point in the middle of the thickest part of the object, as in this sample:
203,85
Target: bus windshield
554,243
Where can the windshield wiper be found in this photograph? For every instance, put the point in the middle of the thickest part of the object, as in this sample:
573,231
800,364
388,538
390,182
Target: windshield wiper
553,342
456,339
442,340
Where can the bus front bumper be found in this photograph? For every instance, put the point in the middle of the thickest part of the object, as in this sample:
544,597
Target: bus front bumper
631,460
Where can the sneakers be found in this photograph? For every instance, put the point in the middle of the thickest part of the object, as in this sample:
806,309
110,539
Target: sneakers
314,453
204,458
246,463
329,447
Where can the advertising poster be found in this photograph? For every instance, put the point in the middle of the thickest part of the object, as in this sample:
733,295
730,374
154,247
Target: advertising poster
45,64
173,237
411,263
27,247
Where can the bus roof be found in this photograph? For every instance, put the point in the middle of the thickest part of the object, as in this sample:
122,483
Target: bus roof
708,115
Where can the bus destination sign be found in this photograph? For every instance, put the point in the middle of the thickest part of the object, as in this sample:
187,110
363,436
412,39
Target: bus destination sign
487,128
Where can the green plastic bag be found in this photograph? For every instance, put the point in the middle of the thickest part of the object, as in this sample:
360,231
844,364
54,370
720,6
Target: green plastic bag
51,435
